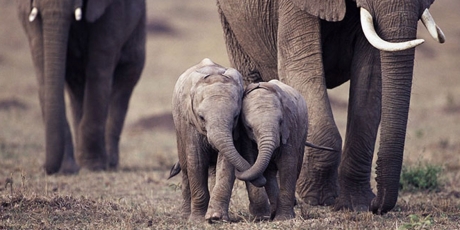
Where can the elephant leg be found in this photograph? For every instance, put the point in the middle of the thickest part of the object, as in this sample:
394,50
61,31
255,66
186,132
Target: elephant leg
69,165
259,206
240,60
287,165
197,171
272,188
125,78
300,66
221,191
91,131
363,120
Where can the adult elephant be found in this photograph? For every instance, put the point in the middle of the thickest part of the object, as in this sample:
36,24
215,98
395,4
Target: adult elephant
314,45
96,49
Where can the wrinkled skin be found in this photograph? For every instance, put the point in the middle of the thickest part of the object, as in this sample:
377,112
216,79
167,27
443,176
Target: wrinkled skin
98,60
206,107
275,127
315,45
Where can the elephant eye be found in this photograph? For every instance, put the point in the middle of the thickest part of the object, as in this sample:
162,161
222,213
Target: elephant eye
201,118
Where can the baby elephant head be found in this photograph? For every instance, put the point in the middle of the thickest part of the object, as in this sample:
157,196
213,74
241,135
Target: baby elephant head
215,100
272,114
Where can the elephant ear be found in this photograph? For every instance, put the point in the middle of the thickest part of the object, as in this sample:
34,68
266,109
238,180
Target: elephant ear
95,9
289,110
329,10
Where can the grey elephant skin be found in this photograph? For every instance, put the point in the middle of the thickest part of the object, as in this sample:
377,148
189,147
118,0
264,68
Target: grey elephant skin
95,49
206,106
315,45
275,123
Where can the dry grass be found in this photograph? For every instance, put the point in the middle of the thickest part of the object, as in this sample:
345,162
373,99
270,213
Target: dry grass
138,195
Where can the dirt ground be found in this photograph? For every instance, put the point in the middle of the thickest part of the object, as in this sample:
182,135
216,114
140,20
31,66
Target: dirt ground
181,33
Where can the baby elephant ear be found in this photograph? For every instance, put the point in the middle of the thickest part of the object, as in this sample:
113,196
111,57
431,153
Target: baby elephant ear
329,10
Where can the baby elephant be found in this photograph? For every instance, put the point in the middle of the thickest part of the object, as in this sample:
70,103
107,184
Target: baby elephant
274,117
206,107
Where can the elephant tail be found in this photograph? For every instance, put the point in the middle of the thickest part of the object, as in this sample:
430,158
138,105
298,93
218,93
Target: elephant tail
317,147
174,170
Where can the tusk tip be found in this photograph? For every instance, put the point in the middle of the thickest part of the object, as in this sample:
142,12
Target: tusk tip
78,14
441,37
33,14
417,42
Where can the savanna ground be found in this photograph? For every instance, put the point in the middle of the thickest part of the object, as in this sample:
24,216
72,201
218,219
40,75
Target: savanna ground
138,195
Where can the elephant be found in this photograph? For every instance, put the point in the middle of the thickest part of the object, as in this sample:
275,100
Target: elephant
206,106
318,45
275,128
95,50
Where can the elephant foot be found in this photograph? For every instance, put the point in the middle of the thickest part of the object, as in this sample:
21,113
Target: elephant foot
284,216
196,218
93,164
317,183
260,211
69,167
216,215
318,192
356,199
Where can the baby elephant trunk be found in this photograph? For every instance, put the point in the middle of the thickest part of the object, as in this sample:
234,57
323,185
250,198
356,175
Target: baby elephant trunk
266,148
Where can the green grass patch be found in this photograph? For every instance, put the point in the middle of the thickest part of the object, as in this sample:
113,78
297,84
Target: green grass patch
421,177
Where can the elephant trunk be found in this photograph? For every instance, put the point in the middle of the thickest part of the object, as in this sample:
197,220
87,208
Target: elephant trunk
267,146
397,71
56,24
223,142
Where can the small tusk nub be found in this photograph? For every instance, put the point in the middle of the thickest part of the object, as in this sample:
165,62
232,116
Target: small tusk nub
78,14
432,28
33,14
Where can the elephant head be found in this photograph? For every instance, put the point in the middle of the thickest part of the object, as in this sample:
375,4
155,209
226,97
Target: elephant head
391,27
47,23
269,115
213,107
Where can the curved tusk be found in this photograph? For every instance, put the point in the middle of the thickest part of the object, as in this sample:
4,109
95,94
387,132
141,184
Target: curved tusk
369,31
33,14
432,28
78,14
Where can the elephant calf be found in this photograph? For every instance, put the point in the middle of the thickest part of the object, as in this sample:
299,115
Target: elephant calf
206,108
274,117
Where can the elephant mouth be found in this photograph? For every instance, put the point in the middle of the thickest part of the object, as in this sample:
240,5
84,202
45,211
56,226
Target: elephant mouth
367,24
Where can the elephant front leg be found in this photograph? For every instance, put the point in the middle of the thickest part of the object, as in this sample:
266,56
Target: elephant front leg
362,125
69,165
197,171
222,191
300,66
125,78
288,165
91,149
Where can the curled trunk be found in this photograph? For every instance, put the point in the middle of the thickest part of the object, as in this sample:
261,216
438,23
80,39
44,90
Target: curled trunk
223,141
267,146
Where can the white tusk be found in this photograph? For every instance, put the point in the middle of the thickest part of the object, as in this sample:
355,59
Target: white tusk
432,28
369,31
78,14
33,14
